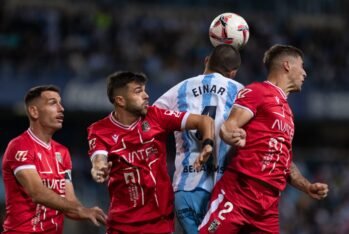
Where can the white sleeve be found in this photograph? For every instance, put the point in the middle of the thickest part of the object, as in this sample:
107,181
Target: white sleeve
169,99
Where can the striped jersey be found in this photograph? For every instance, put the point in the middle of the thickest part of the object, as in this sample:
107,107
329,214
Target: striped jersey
208,94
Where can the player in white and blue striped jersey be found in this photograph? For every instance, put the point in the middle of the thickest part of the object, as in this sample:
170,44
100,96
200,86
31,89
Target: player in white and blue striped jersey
212,93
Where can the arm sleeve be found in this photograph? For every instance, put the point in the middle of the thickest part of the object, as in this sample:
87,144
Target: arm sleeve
19,157
171,120
249,98
95,142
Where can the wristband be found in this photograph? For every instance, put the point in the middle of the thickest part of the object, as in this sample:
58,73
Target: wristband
207,141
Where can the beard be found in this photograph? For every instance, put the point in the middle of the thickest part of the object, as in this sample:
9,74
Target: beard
137,110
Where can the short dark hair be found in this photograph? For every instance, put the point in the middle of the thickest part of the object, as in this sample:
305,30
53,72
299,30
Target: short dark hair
120,79
277,51
36,91
224,58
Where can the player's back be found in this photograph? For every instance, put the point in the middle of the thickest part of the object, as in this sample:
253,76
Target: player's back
213,95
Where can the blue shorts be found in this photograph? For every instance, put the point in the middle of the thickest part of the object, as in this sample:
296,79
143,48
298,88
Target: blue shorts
191,207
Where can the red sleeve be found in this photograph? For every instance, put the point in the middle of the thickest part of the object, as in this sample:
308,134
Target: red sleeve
250,97
19,155
67,159
168,119
95,143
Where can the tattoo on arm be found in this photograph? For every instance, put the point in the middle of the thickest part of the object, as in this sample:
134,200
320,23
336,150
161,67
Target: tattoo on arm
297,180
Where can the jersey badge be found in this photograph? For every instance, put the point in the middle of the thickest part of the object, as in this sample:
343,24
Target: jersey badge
58,157
213,226
145,126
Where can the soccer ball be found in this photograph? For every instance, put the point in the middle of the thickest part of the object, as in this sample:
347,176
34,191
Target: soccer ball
229,28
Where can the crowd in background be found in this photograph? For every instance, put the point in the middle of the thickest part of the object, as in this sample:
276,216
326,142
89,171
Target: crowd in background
86,41
65,42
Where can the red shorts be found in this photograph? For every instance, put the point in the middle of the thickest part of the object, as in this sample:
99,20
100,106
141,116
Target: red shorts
246,207
159,226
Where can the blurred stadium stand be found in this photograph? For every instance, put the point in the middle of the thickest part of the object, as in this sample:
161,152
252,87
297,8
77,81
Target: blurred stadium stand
76,44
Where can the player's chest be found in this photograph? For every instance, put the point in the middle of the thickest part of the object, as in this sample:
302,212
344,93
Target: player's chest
140,145
49,163
277,115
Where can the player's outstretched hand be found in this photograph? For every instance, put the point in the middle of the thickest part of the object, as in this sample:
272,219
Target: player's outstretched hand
318,191
100,171
203,157
95,214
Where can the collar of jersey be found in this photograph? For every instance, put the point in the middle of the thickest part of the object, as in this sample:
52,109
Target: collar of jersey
37,140
127,127
283,94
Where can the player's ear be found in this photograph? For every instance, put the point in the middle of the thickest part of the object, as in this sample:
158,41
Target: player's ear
286,65
232,73
119,100
33,112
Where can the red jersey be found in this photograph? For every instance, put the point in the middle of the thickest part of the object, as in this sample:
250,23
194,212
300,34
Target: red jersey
52,162
139,186
267,154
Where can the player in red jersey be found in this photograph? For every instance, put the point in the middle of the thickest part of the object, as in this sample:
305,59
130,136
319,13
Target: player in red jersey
128,147
37,172
261,125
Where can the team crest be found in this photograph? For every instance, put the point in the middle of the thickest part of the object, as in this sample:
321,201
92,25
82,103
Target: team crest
214,226
58,157
145,126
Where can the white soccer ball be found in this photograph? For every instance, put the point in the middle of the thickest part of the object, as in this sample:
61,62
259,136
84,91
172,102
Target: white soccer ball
229,28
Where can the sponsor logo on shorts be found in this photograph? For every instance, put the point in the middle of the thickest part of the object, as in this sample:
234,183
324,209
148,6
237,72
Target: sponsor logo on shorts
213,226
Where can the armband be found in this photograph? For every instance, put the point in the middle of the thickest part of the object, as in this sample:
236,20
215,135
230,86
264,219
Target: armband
207,141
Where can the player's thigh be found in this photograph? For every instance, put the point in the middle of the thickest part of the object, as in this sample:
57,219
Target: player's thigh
223,217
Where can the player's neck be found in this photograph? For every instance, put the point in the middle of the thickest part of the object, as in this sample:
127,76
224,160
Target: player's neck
279,81
125,117
40,133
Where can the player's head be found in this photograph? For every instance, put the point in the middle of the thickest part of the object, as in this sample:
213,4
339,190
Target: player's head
288,60
224,59
44,107
127,90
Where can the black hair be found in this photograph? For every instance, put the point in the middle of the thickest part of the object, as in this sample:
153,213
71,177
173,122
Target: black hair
36,92
120,79
224,58
276,51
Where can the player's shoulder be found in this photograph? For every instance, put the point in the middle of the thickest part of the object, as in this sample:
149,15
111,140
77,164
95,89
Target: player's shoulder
257,86
100,123
220,79
20,140
153,110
